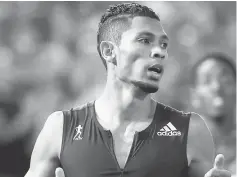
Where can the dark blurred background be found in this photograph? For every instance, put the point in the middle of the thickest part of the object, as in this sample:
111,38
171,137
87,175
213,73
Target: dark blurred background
49,62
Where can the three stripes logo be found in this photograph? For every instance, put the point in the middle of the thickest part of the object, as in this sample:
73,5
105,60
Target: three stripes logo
169,130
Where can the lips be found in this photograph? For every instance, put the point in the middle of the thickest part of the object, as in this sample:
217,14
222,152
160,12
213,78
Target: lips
156,68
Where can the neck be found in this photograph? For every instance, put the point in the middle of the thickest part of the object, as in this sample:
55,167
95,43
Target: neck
122,102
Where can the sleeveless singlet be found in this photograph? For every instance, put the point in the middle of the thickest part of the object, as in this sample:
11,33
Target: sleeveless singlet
157,151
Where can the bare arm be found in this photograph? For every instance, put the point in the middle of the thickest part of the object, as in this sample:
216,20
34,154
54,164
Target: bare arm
45,156
200,147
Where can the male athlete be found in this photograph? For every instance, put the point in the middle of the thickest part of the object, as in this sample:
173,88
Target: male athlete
125,132
214,97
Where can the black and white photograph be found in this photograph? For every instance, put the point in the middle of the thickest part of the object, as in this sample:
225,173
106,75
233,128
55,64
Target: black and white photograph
118,89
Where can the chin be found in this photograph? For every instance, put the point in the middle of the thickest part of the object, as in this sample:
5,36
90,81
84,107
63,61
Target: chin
146,87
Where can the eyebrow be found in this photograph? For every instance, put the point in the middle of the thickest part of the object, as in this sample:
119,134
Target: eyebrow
163,36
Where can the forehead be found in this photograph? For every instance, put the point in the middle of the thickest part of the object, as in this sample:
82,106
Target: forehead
144,24
214,67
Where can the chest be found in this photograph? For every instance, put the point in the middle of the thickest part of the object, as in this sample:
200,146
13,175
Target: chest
137,157
143,154
124,141
122,147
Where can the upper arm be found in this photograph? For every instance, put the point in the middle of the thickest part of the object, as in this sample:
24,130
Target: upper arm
200,146
45,155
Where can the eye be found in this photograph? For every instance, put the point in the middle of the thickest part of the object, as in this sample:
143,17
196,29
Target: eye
144,41
164,45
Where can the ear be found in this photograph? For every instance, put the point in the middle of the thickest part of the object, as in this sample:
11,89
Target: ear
108,51
194,98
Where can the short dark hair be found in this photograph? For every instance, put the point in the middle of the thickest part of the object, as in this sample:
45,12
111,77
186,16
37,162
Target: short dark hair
116,20
217,56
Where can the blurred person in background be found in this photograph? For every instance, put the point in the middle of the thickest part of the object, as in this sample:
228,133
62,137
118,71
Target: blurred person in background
125,132
16,127
15,134
214,97
22,79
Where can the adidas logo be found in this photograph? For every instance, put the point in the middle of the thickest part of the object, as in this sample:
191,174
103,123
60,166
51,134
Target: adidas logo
169,130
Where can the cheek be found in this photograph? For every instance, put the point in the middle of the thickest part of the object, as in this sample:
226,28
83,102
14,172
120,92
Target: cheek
139,69
135,69
130,52
128,58
133,59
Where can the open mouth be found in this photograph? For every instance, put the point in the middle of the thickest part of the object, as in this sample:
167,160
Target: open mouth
156,68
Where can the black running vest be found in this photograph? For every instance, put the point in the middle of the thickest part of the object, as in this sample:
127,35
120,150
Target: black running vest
157,151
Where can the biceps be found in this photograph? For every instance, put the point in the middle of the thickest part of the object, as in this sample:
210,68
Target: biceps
42,169
201,152
202,158
44,159
200,142
199,169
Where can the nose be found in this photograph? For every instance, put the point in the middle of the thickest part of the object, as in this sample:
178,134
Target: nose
157,53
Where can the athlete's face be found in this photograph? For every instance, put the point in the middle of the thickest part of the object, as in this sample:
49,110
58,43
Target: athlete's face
215,88
141,53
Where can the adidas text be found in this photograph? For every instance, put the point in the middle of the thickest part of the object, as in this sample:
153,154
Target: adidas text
171,133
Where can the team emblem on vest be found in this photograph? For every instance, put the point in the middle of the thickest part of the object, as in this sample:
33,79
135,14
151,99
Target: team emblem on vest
169,130
78,135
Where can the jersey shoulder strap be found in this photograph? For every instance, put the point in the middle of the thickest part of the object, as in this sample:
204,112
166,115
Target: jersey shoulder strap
74,121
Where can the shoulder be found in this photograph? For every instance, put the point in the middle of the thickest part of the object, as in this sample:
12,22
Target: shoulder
53,130
54,120
198,128
45,155
57,123
75,111
82,107
200,141
48,143
197,124
173,110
